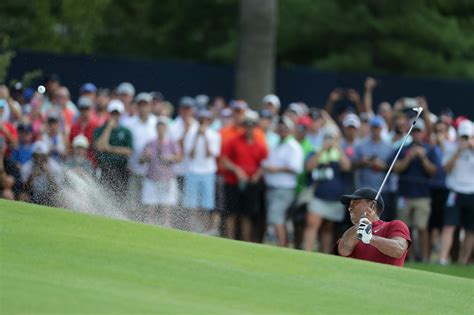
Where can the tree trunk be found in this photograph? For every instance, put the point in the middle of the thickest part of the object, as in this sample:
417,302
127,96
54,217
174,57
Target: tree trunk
256,57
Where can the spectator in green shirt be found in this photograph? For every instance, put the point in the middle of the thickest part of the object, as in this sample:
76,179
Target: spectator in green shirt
113,147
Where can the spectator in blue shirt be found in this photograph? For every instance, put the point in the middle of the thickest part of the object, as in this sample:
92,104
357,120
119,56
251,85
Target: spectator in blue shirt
24,151
417,163
370,162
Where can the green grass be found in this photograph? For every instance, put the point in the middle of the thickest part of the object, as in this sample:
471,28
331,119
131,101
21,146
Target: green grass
453,270
55,261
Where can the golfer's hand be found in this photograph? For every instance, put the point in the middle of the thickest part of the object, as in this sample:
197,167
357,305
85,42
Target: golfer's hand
364,231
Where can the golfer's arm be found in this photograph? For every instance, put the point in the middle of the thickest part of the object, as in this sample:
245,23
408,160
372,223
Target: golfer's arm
393,247
348,242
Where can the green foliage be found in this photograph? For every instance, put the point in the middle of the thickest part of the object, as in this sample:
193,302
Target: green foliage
418,37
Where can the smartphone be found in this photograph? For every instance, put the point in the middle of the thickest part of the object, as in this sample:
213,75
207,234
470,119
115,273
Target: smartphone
410,102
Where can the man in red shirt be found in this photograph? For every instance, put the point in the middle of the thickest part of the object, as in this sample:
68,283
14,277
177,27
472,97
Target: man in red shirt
85,124
7,130
371,238
242,156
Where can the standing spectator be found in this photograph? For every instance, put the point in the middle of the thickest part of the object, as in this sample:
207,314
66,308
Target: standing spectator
182,125
156,103
53,138
160,187
369,163
143,129
201,148
23,152
10,180
101,115
281,170
126,92
113,144
52,84
33,114
350,139
85,124
416,165
79,162
304,189
243,156
63,108
459,211
315,134
41,177
7,130
326,167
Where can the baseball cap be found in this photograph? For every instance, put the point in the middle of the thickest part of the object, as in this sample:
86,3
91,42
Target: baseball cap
84,102
351,120
126,88
80,141
419,125
239,104
305,121
465,128
272,99
116,106
40,147
296,108
187,101
251,117
362,193
287,122
226,113
155,95
202,100
377,121
162,120
204,113
143,97
88,88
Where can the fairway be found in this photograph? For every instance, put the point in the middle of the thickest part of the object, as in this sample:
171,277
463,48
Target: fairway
56,261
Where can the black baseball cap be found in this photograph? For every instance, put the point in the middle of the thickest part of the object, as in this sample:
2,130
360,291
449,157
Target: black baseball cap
363,193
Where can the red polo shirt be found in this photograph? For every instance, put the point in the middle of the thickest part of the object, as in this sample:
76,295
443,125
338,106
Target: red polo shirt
247,155
380,228
88,131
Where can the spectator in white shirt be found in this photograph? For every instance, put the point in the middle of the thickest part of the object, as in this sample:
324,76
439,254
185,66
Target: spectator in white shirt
458,163
201,148
143,129
281,170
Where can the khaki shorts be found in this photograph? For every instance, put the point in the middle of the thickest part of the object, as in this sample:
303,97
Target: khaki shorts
415,212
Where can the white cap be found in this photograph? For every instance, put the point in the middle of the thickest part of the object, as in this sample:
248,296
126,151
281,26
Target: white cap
80,141
287,122
297,108
351,120
40,147
116,105
465,128
143,97
272,99
126,88
251,116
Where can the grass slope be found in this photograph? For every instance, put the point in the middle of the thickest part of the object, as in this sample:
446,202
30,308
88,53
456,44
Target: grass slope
55,261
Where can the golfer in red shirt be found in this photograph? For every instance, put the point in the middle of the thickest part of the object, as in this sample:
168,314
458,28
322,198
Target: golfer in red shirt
371,238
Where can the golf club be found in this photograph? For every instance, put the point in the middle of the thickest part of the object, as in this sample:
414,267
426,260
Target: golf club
418,110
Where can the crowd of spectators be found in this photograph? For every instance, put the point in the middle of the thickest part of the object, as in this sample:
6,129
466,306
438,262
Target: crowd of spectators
225,169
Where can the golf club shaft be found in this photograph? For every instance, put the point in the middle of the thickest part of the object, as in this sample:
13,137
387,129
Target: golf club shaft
396,156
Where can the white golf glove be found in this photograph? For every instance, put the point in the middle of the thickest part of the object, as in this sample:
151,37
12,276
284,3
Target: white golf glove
364,232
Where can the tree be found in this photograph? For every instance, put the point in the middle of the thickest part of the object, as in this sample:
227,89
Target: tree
256,56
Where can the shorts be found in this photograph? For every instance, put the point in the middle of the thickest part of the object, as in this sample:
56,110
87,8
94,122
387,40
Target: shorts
242,200
160,193
200,191
278,201
415,212
330,210
459,210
